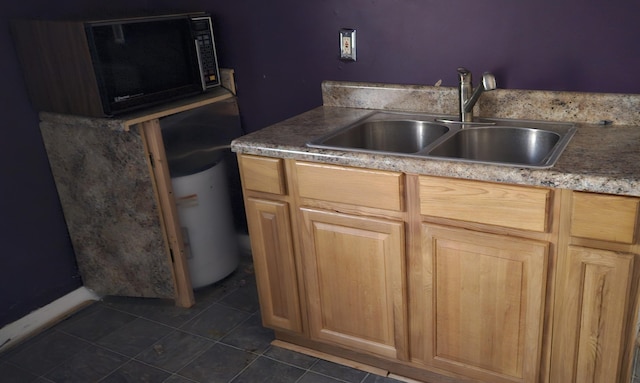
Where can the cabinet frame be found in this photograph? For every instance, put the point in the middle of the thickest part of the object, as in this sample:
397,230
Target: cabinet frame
161,180
600,269
549,235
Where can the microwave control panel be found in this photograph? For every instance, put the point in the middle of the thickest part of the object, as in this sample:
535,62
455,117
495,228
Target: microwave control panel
203,31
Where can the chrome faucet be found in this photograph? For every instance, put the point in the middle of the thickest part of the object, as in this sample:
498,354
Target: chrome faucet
468,96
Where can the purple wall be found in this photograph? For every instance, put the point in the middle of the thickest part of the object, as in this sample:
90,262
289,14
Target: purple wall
281,51
37,264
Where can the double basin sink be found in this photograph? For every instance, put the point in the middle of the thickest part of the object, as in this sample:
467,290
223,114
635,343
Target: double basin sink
522,143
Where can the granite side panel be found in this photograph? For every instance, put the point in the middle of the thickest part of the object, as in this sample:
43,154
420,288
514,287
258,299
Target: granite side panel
109,205
86,122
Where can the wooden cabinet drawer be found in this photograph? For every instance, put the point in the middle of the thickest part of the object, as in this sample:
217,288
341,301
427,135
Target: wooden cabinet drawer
517,207
371,188
263,174
604,217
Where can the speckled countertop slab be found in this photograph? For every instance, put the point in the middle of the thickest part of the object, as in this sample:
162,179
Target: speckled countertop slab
599,158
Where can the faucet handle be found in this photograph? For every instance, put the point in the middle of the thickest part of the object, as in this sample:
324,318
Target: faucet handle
488,81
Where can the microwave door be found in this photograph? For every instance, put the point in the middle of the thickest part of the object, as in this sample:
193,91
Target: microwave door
143,63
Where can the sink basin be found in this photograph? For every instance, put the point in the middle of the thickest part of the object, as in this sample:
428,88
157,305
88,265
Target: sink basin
386,135
500,144
522,143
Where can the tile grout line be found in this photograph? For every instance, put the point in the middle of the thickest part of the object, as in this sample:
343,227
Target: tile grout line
216,302
133,358
309,369
243,370
88,343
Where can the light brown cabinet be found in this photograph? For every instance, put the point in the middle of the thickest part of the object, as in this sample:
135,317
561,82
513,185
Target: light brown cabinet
269,222
439,278
354,271
485,303
593,331
499,205
274,263
353,251
359,188
485,253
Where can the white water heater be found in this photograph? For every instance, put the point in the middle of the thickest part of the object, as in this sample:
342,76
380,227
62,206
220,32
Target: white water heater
204,177
204,209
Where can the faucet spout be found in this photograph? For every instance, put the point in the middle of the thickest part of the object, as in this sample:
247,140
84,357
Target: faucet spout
469,96
465,89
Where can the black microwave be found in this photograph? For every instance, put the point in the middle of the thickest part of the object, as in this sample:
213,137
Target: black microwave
106,67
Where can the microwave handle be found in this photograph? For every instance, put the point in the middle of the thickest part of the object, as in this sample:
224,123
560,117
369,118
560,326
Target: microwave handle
199,55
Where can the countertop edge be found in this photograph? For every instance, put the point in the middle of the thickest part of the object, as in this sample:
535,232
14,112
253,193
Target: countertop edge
454,169
587,164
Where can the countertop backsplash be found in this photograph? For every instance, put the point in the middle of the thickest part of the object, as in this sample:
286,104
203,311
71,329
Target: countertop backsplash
590,108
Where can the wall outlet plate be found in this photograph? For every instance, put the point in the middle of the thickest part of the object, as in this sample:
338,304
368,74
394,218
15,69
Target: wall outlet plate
348,44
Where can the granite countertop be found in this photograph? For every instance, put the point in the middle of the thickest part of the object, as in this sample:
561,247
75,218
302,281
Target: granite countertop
602,158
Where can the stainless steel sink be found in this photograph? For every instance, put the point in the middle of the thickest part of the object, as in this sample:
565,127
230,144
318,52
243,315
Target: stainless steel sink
500,144
522,143
383,135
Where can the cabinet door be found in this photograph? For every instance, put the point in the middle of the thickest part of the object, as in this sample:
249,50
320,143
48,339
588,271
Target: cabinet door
355,275
484,303
274,263
588,336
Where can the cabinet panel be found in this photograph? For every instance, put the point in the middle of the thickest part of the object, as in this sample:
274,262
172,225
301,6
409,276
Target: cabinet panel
510,206
263,174
355,270
591,316
360,187
274,263
604,217
486,298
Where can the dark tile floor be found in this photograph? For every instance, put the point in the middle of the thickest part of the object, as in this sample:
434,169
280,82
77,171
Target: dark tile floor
219,339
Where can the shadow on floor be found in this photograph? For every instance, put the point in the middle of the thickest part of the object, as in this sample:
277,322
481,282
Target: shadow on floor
219,339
